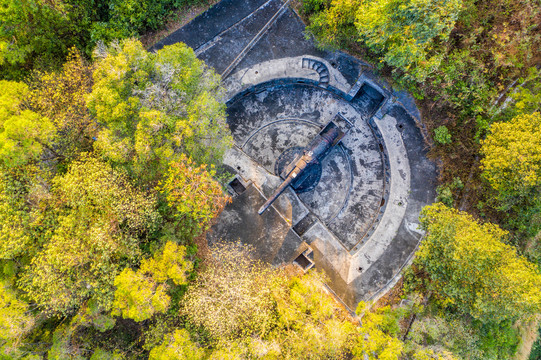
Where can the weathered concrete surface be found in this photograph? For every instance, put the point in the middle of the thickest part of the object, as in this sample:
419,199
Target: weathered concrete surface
288,205
285,68
271,236
212,22
361,220
350,193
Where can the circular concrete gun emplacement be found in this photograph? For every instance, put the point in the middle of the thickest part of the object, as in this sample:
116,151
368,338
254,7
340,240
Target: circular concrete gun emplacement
346,203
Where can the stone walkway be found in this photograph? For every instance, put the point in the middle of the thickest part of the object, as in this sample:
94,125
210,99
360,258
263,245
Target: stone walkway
360,223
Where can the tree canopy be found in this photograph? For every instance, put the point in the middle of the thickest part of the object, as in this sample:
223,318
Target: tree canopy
155,107
470,266
108,165
403,32
89,237
99,219
38,34
512,157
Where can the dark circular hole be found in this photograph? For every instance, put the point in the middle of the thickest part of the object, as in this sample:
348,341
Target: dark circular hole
400,126
257,72
238,167
360,269
333,64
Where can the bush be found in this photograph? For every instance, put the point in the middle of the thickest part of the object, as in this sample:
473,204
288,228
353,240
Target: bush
442,135
445,192
314,6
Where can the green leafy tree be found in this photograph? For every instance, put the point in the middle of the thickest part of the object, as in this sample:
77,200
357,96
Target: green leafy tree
126,18
37,34
32,33
100,220
335,26
23,133
470,267
141,294
155,107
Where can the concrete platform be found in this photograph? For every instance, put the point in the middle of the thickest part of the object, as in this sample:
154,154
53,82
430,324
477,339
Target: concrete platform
361,220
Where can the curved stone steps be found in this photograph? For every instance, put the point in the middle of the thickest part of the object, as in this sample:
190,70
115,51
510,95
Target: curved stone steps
319,67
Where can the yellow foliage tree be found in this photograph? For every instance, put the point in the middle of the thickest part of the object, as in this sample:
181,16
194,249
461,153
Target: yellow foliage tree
16,235
15,320
311,323
99,218
193,195
512,156
231,296
139,295
374,343
470,266
177,345
61,97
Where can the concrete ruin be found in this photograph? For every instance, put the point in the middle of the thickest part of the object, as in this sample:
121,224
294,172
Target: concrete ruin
359,222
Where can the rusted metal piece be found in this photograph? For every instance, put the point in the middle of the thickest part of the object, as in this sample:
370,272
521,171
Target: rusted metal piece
295,172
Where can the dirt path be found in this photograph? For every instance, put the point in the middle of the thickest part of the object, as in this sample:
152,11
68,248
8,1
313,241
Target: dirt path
528,332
